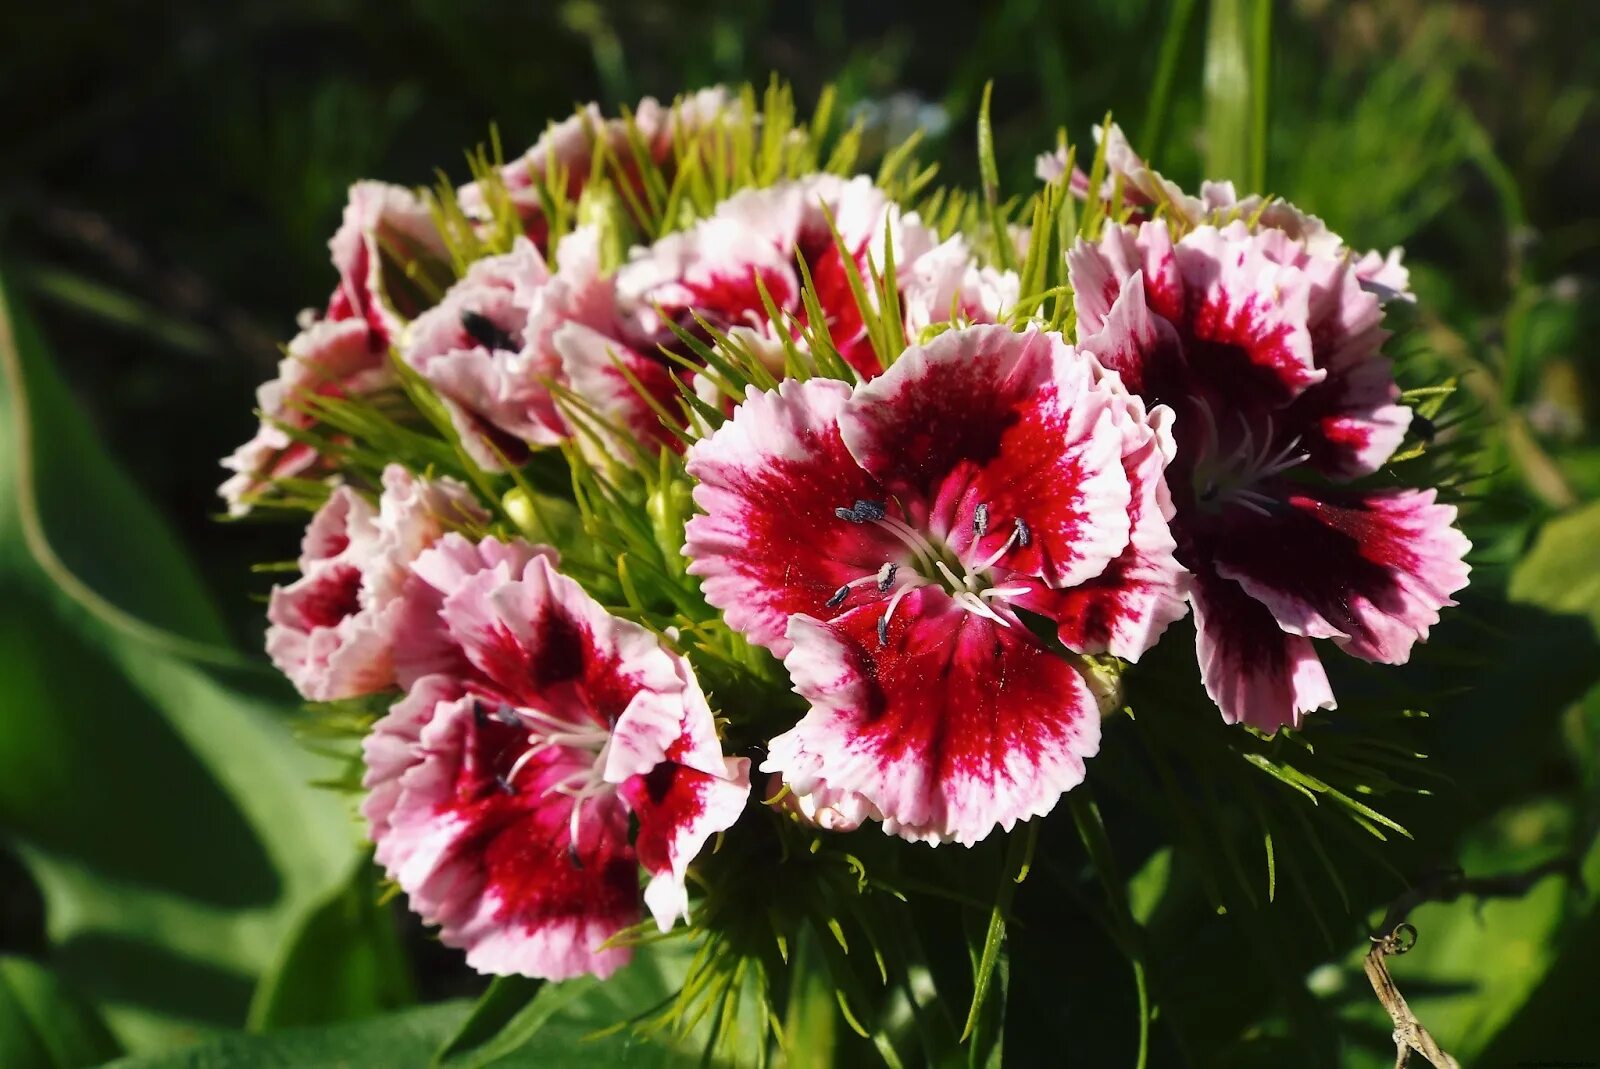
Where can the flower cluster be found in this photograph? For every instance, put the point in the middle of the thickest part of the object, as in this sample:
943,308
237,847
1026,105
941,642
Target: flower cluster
671,455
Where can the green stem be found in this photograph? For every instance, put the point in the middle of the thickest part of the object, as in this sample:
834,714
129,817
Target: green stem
1172,40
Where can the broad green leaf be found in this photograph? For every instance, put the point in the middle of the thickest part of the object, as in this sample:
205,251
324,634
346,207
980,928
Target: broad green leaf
506,998
148,782
396,1041
343,962
43,1025
1562,570
576,1023
571,1025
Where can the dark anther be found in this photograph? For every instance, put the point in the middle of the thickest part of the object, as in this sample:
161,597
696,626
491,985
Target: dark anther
980,519
1024,536
572,855
504,784
862,512
507,716
838,597
479,718
883,630
481,329
886,576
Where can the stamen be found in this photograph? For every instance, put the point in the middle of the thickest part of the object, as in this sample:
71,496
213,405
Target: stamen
483,330
521,762
839,596
507,716
1020,536
862,512
894,603
886,576
504,783
980,519
976,605
911,537
964,583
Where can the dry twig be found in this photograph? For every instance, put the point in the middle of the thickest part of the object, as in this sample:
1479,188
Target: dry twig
1395,936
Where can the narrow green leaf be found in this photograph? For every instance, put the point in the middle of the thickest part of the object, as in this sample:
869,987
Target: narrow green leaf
1173,37
989,171
44,1025
1230,85
1018,850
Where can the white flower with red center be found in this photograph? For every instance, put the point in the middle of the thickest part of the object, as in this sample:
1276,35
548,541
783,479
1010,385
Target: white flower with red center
475,350
569,146
712,271
1144,189
330,359
389,255
334,630
386,240
882,540
1269,352
501,790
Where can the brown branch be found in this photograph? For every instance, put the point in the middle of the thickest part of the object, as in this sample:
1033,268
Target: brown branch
1396,936
1409,1035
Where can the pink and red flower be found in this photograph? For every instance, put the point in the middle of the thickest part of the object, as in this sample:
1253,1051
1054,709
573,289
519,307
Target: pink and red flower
569,147
334,630
388,255
489,368
392,262
1269,352
712,271
330,359
501,790
883,540
1144,190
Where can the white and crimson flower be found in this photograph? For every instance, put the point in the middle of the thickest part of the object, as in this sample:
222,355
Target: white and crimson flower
330,359
1268,350
1144,189
334,630
501,789
712,271
388,254
569,147
882,540
491,370
391,259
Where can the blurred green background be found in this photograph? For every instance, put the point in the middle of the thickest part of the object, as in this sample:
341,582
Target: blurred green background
168,179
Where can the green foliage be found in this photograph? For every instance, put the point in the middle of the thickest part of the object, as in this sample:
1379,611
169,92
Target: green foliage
153,792
1562,570
44,1025
342,961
